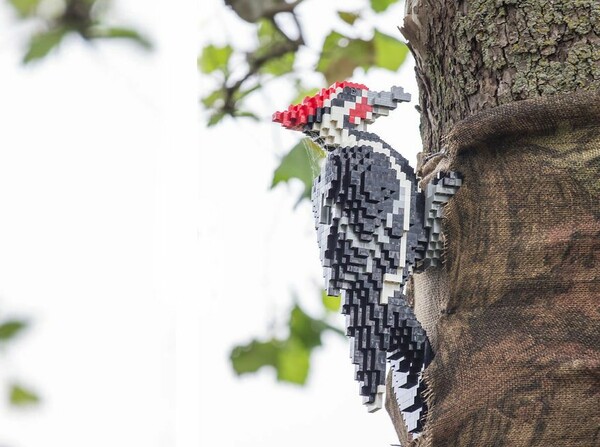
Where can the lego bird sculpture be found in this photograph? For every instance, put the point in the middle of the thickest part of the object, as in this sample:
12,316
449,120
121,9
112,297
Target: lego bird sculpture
374,229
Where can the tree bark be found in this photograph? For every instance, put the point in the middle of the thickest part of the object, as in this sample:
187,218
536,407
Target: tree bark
509,90
473,55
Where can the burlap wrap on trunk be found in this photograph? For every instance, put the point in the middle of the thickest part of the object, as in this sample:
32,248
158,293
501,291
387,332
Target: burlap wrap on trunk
514,314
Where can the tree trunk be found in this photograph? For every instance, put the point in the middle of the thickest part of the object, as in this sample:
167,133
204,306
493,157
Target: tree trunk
472,55
509,89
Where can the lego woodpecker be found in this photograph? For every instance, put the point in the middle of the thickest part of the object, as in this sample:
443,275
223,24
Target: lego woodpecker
374,229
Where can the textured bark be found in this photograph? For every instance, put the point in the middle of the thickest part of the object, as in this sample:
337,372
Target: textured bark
519,352
514,313
511,89
472,55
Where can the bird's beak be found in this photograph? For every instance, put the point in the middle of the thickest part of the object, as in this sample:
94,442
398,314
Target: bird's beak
385,101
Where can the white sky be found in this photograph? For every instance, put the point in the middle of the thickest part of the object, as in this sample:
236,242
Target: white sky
143,249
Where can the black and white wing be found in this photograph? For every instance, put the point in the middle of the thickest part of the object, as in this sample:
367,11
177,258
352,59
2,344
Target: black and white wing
370,230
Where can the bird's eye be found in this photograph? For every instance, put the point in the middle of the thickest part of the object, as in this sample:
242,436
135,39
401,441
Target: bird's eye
353,91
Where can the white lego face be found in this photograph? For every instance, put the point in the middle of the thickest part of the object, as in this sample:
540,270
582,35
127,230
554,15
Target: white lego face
333,130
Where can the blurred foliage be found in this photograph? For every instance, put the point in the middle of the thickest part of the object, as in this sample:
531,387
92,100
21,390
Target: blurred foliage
53,20
237,74
48,23
331,303
290,356
341,56
381,5
18,394
300,163
274,54
9,329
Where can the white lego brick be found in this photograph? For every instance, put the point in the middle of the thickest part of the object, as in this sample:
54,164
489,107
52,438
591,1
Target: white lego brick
377,404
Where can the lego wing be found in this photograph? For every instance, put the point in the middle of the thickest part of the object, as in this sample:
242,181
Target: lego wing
364,202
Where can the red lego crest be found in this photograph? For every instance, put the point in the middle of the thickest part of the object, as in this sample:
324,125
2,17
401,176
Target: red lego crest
296,116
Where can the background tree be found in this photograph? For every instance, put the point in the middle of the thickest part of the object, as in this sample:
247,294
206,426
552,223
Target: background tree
51,21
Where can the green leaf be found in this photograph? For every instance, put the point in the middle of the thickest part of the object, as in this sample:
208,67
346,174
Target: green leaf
24,7
253,356
341,55
305,328
215,58
390,53
279,66
298,164
293,362
381,5
120,33
10,328
331,303
267,34
212,99
290,358
308,329
20,396
268,38
215,118
43,43
348,17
